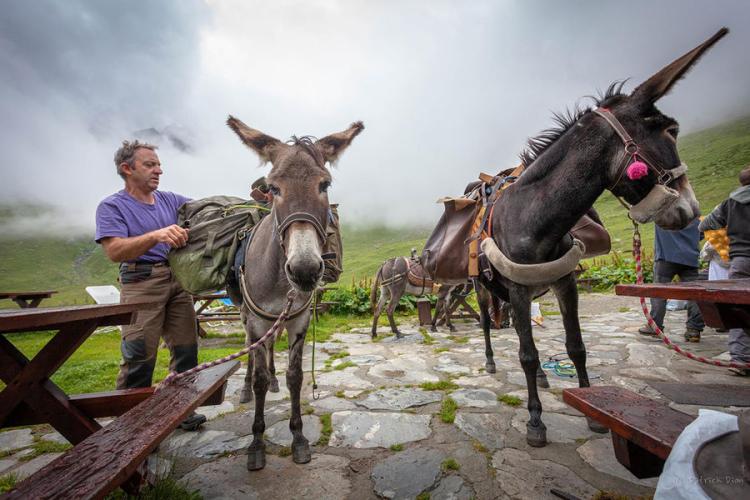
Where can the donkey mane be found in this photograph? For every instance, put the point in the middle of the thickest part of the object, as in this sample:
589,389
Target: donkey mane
537,145
307,143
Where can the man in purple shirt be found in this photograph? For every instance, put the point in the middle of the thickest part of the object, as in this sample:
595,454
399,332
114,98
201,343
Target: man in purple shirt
136,228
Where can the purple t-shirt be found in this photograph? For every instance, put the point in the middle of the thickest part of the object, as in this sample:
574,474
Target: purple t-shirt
120,215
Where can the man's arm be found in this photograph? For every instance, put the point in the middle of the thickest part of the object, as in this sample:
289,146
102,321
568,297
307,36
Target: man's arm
123,249
716,219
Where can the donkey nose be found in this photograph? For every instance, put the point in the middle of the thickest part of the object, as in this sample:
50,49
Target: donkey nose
305,273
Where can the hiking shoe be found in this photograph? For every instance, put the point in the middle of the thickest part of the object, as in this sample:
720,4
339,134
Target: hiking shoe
193,421
740,372
692,335
647,330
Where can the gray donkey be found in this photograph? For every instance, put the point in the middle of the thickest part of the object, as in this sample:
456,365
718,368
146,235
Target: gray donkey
284,254
401,275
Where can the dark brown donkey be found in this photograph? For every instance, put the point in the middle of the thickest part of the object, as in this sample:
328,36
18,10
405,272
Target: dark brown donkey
399,276
567,169
285,254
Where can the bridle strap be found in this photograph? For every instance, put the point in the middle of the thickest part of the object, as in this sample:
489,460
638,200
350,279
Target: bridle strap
293,217
632,150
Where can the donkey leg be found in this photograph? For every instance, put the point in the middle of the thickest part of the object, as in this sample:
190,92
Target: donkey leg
246,394
395,297
300,446
274,382
447,313
438,310
483,299
256,452
566,292
379,309
536,431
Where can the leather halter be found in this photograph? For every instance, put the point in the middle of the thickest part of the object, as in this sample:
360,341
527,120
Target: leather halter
632,150
293,217
264,314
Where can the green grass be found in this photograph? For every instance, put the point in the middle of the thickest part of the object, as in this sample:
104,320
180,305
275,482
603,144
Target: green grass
326,430
285,451
94,366
510,400
426,337
423,496
458,340
397,447
340,394
450,464
438,350
448,410
8,482
41,447
166,487
344,365
443,385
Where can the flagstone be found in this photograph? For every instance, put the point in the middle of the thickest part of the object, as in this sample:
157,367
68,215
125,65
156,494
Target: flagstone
15,439
407,474
399,399
280,434
600,454
475,398
204,444
490,429
560,428
360,429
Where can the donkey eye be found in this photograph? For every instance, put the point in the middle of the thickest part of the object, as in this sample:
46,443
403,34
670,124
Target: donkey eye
324,186
673,131
274,190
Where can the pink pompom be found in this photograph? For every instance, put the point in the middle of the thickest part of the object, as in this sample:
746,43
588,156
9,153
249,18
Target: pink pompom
636,170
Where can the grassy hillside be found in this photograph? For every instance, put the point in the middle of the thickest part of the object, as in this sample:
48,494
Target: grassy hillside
714,157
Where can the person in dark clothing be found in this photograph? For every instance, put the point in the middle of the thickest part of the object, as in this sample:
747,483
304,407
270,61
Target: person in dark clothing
676,254
734,214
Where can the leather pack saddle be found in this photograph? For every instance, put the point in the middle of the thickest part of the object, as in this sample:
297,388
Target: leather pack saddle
451,253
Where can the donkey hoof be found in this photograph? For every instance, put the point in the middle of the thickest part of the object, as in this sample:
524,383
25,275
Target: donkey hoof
433,329
452,329
596,426
536,436
490,367
274,386
256,457
301,452
246,395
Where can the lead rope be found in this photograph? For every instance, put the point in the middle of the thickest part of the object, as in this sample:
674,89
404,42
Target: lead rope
275,328
655,327
314,322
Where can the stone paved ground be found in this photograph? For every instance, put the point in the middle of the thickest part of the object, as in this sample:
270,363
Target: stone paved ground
388,439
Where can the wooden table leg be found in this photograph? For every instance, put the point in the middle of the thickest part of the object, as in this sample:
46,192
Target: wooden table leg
28,381
27,304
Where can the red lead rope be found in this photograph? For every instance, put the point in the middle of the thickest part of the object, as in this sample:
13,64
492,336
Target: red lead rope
655,327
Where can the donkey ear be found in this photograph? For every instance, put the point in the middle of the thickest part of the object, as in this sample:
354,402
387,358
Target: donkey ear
256,140
333,145
662,82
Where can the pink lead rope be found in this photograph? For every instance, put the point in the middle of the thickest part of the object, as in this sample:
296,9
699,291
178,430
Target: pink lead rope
655,327
275,328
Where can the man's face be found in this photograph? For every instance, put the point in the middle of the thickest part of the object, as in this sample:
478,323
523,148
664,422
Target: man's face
145,171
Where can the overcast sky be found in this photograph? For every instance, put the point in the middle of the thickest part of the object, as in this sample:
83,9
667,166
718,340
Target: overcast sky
446,89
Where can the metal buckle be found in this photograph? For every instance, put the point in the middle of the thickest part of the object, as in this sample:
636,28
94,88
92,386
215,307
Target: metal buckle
665,177
631,148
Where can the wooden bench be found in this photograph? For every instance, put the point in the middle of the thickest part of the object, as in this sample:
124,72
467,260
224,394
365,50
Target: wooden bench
643,429
106,459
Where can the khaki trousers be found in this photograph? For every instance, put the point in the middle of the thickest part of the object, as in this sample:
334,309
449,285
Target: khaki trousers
173,320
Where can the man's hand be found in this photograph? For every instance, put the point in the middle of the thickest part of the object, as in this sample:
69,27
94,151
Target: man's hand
174,235
124,249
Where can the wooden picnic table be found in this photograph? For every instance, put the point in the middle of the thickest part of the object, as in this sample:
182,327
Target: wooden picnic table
30,397
723,303
27,300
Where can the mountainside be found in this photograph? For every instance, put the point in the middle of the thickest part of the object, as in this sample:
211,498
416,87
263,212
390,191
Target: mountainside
714,157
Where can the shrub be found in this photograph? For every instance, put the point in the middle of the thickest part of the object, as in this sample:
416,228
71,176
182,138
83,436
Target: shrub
605,273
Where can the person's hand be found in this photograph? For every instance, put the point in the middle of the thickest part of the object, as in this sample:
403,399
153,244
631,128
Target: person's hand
174,235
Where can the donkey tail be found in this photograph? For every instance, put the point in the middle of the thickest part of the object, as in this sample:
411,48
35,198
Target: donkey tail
375,286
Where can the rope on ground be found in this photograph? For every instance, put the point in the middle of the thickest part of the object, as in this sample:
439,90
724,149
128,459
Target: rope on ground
655,327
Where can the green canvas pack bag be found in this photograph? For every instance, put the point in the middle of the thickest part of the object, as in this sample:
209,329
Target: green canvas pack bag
216,226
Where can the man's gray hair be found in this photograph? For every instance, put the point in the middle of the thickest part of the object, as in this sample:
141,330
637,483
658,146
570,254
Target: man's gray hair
126,153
